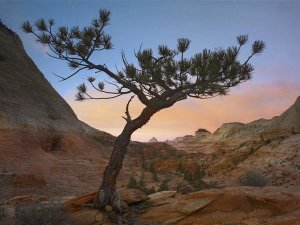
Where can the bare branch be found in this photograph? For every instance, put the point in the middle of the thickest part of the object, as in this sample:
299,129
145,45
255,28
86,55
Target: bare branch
128,117
110,92
73,74
102,98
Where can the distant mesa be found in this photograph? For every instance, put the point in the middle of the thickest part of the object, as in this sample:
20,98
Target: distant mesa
200,133
153,140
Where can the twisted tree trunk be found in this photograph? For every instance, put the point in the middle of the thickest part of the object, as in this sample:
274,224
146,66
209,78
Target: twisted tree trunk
107,194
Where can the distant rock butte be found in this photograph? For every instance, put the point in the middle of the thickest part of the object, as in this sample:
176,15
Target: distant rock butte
201,133
153,140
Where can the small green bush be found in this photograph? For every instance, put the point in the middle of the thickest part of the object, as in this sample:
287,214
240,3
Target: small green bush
147,204
149,191
132,183
163,186
253,179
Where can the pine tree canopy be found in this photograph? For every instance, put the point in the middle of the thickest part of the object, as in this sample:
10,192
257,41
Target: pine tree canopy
159,78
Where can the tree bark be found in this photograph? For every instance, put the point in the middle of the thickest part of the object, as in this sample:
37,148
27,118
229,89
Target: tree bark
107,194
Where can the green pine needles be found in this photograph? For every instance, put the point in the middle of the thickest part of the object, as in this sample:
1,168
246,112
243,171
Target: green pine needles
161,76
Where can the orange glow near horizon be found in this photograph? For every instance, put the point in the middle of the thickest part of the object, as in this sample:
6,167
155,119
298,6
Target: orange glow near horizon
244,104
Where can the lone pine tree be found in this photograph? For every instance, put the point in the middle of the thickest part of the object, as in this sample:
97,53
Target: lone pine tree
157,80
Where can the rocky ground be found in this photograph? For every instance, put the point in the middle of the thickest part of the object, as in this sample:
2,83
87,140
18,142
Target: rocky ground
234,206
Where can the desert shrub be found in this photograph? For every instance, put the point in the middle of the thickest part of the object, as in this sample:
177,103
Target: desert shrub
132,183
163,186
40,214
155,177
147,204
211,184
253,179
152,168
184,189
198,173
142,183
188,176
150,191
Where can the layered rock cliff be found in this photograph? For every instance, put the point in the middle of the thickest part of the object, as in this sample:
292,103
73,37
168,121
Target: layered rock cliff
42,143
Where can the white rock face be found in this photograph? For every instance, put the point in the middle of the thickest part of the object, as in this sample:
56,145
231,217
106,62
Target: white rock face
288,120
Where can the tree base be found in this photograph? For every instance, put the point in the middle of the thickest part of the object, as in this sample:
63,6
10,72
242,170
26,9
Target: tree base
108,196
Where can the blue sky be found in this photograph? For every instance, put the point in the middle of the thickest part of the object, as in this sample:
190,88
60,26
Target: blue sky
209,24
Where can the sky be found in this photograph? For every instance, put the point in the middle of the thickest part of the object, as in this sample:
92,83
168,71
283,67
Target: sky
208,24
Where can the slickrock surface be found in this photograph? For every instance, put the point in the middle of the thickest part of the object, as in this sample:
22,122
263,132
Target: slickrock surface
255,206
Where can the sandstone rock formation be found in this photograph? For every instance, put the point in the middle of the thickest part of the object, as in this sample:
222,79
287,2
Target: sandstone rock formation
285,124
44,147
268,146
201,133
288,121
270,206
234,205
